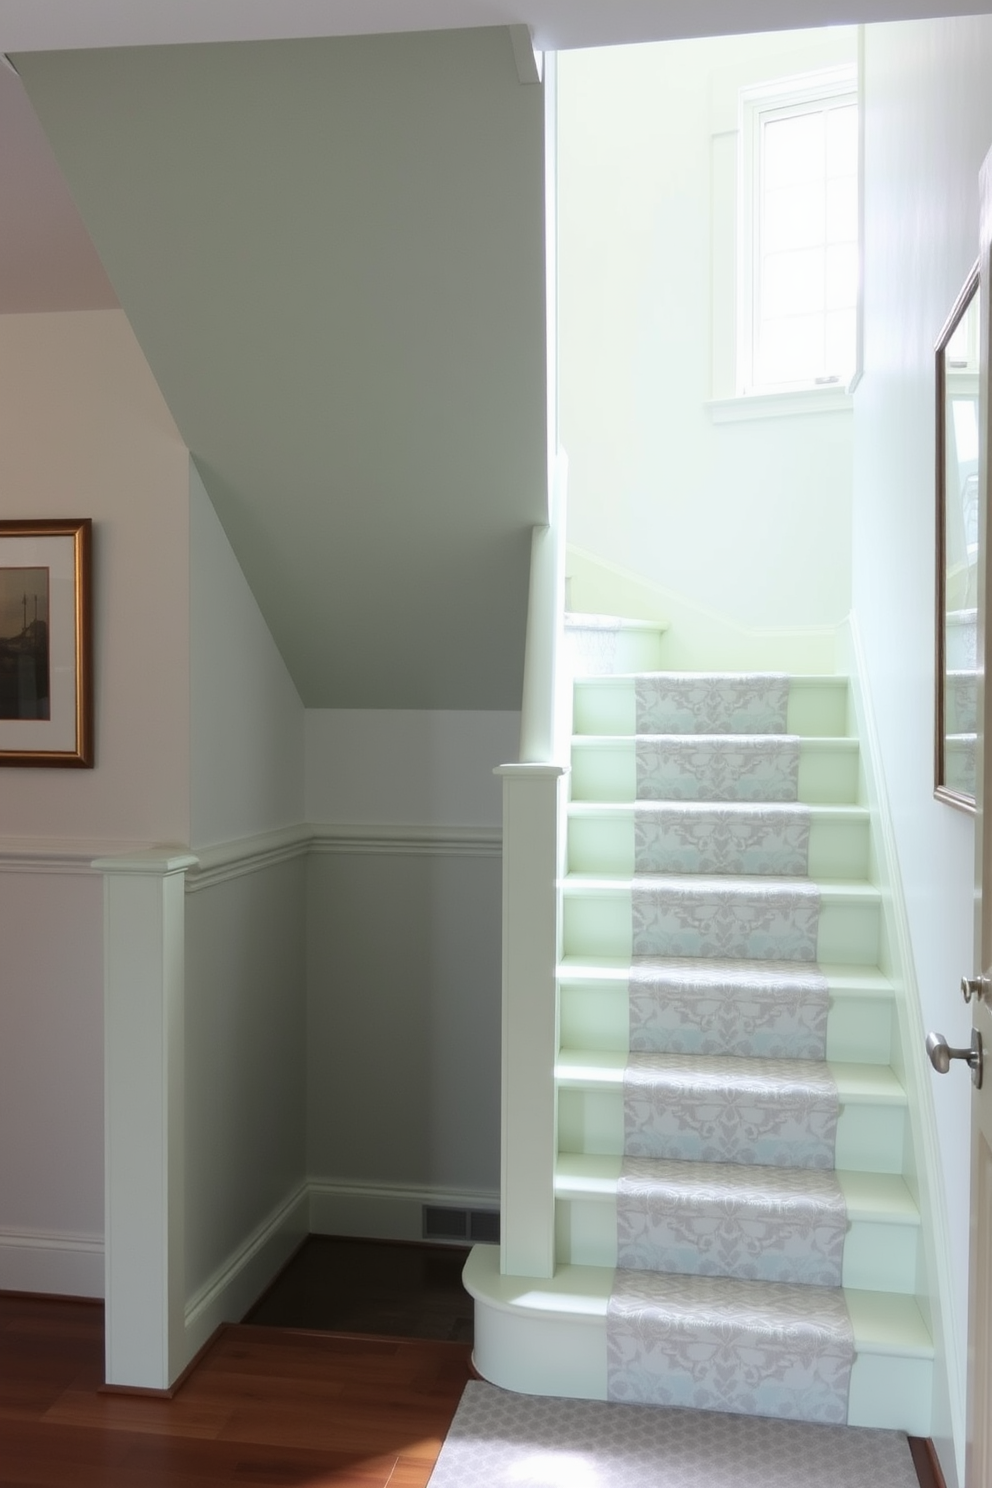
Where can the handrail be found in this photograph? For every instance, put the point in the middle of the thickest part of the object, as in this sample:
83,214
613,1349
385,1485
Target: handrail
541,740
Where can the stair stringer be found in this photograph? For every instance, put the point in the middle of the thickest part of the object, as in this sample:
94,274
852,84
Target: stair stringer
896,960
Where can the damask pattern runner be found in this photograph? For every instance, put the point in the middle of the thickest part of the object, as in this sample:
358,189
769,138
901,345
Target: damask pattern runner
758,1347
730,837
716,767
709,916
768,1009
731,1219
780,1112
712,703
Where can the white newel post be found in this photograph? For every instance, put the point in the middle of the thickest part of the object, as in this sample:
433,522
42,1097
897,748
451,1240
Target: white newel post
531,794
144,951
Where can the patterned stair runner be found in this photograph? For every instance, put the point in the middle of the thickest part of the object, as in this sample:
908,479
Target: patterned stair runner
730,1219
767,920
758,1347
706,1107
769,1009
712,703
718,767
696,837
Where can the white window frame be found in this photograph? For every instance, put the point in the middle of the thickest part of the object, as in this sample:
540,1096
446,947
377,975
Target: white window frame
726,404
783,97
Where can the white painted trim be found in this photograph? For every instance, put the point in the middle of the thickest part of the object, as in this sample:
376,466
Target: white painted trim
902,973
154,862
44,1261
144,1117
60,855
207,866
832,399
234,859
384,1211
402,839
529,62
241,1279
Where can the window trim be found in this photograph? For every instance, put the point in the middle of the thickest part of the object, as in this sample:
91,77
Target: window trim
796,94
841,48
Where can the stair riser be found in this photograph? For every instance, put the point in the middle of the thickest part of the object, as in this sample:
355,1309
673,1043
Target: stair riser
870,1138
547,1355
816,709
600,925
828,772
877,1257
595,1016
605,844
598,652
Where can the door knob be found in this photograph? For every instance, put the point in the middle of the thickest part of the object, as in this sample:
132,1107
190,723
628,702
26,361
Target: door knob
977,987
941,1054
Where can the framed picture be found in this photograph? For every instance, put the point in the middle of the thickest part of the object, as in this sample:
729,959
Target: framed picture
46,693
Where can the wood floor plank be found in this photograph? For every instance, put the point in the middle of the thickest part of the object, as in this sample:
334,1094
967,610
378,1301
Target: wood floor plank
264,1406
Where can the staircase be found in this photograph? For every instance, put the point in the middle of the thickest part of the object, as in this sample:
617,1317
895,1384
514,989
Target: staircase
733,1229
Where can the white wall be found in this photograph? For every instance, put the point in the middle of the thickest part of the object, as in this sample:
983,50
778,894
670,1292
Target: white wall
245,1063
407,766
404,940
245,1028
83,432
246,718
696,509
928,125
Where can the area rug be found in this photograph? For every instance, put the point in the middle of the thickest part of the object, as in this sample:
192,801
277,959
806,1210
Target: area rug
502,1440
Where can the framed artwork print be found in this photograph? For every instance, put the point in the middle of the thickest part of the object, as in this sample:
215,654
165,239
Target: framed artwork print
46,694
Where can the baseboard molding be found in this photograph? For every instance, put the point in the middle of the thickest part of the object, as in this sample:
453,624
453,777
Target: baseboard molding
901,969
72,1265
227,1295
926,1462
384,1211
51,1264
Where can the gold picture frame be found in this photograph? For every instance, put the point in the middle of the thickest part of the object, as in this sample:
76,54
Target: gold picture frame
46,642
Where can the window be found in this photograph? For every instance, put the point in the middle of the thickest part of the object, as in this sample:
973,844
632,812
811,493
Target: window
798,209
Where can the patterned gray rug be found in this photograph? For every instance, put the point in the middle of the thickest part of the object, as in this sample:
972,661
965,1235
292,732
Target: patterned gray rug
502,1440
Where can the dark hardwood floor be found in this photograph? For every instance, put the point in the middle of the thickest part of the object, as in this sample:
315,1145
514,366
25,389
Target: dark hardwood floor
272,1401
370,1286
264,1406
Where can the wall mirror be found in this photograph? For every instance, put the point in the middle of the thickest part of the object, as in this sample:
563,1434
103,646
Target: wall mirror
957,354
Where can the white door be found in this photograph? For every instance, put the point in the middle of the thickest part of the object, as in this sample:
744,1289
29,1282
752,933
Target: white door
979,1455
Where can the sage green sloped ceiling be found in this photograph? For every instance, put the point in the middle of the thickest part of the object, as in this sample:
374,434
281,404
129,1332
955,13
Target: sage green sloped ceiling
331,253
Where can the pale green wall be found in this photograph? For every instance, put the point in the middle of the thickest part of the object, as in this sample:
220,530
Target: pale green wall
750,520
331,253
928,126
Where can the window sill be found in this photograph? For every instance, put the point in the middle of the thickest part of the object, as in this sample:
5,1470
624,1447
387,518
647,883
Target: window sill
779,405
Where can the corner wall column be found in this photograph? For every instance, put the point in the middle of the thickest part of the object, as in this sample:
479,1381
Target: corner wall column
532,815
144,973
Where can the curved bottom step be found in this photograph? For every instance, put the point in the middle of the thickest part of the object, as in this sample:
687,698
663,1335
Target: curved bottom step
547,1336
